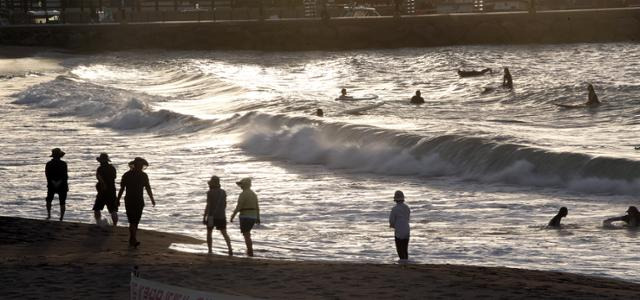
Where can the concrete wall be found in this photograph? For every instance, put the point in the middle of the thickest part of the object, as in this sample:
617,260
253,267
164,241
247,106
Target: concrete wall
610,25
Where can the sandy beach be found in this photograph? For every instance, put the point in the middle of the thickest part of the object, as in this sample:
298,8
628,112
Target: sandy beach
61,260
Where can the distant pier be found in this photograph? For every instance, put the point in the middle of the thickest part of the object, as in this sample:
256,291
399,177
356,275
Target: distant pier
543,27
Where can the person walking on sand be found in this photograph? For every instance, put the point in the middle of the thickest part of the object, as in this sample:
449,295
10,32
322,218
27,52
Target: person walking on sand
57,177
249,212
134,181
632,218
399,221
215,212
106,187
555,221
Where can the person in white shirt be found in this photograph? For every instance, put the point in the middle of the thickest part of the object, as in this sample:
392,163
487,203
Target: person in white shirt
399,221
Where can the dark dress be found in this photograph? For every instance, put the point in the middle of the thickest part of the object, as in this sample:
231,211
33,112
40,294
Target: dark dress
134,183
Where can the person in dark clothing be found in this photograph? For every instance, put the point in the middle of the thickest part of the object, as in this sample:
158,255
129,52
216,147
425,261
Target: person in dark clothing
57,177
555,222
632,218
507,81
417,99
106,188
134,182
215,212
593,98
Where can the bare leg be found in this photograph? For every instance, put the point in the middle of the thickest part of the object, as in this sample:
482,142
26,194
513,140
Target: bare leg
97,215
133,230
249,243
209,229
228,240
114,218
48,210
62,209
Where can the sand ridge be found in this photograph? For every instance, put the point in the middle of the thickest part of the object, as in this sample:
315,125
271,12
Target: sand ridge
63,260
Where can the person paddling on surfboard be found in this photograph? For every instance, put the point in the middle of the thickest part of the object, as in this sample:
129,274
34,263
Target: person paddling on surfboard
593,98
343,95
632,218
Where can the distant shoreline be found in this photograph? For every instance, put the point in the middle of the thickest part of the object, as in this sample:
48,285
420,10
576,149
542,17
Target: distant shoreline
61,260
544,27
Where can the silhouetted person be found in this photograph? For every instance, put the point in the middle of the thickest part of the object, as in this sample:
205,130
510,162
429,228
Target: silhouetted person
57,177
399,221
319,112
249,212
507,81
632,218
555,221
463,73
215,212
343,95
106,187
134,181
593,98
417,99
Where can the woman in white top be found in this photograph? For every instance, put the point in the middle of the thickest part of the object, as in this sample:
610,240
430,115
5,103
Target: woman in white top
399,221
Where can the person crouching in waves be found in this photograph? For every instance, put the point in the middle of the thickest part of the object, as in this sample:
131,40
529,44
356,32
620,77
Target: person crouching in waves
399,221
249,212
134,181
632,218
214,212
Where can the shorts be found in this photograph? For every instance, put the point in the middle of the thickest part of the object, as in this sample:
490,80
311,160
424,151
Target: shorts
107,198
62,196
219,224
246,224
134,214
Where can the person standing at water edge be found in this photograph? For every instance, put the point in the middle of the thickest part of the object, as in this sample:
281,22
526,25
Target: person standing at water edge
134,181
417,99
106,187
214,212
57,177
632,218
555,221
249,212
399,221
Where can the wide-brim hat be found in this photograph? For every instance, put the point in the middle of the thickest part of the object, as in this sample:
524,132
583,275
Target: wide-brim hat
244,182
57,152
103,157
139,161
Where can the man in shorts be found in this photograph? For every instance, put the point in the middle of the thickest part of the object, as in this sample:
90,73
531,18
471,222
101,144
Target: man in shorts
57,177
215,212
134,182
249,212
106,187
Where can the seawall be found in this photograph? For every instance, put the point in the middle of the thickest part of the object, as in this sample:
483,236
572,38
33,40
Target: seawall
569,26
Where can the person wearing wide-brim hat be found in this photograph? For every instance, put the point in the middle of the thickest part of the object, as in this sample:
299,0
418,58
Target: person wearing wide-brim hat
106,188
134,182
632,218
399,221
57,181
249,212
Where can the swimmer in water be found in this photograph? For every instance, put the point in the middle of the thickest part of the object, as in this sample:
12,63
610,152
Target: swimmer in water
593,98
632,218
343,95
319,112
507,81
555,222
417,99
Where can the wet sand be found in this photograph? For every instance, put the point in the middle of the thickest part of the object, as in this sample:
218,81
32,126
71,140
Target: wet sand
61,260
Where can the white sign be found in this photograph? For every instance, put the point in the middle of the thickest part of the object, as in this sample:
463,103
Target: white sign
142,289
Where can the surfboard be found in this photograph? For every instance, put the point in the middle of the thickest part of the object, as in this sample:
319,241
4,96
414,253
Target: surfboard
570,105
361,109
363,97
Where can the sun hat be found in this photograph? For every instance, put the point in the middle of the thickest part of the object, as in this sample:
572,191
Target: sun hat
139,160
103,157
56,152
244,182
398,196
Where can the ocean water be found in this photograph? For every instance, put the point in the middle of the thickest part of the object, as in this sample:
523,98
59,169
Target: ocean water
482,172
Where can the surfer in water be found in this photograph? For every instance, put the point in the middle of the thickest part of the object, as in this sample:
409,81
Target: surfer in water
319,112
593,98
507,81
417,99
632,218
343,95
555,222
472,73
